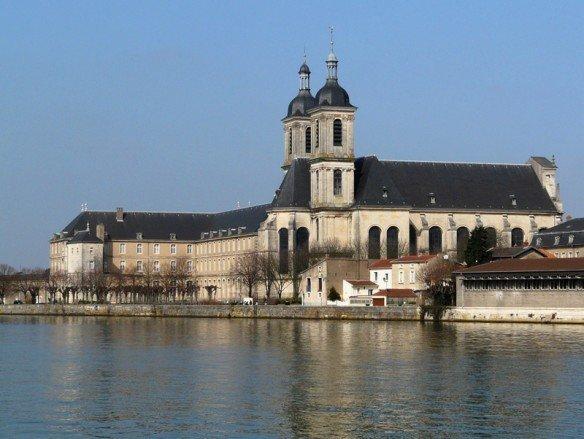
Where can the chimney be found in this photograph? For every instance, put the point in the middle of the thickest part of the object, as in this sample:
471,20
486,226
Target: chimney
120,214
100,231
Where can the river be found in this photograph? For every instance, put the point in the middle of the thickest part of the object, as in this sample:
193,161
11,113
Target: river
180,377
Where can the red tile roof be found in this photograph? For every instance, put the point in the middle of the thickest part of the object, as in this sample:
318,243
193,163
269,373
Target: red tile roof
381,263
397,293
361,282
527,265
413,258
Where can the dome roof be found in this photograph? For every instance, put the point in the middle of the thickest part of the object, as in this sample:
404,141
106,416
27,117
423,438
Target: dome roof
304,69
332,94
303,102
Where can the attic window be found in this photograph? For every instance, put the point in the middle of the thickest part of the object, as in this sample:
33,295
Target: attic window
384,191
538,242
513,200
432,198
139,235
556,240
172,236
571,239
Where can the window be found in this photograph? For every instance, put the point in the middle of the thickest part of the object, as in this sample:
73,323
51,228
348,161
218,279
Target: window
92,265
139,249
337,133
517,237
157,266
173,249
400,277
190,249
338,182
571,239
139,266
317,130
308,140
320,284
122,266
308,285
556,240
370,292
375,275
412,275
139,235
290,141
156,249
462,237
435,237
122,248
392,242
538,242
173,265
90,250
374,244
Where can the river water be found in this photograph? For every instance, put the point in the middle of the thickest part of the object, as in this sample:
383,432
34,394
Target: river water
172,377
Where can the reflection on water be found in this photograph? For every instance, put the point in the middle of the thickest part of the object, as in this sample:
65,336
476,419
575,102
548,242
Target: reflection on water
212,377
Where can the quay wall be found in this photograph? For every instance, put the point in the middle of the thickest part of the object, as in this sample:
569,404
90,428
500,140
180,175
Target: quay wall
407,312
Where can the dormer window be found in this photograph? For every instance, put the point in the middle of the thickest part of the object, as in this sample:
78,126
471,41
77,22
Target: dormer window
571,239
538,242
384,192
173,236
556,240
139,235
513,200
432,197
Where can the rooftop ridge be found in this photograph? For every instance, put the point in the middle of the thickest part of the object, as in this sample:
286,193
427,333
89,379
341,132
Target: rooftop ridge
456,163
179,213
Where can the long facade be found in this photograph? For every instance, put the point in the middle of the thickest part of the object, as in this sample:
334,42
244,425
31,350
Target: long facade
328,195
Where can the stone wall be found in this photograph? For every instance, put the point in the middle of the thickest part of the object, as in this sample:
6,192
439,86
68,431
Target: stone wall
221,311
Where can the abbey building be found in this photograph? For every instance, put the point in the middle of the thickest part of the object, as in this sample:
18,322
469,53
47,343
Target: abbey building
328,194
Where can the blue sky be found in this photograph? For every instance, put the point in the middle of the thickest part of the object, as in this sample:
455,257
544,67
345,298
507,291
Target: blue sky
176,106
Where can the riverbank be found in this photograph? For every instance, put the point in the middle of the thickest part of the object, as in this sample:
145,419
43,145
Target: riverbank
408,313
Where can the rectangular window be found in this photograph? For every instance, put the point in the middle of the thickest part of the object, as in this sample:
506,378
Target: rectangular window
139,266
338,182
156,249
157,266
122,266
173,249
320,284
92,265
190,266
139,249
401,277
375,275
190,249
122,248
173,265
412,276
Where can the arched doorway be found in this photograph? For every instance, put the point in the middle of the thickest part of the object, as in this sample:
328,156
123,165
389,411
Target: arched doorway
462,236
517,237
374,243
392,242
283,250
435,238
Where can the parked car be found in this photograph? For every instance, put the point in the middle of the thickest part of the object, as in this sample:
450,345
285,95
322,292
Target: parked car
247,301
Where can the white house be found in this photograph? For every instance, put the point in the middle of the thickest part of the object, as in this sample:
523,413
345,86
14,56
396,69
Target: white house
380,273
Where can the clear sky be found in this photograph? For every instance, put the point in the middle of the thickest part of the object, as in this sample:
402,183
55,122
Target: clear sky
176,106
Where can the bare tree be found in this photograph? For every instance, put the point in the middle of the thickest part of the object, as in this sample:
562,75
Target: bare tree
6,280
269,268
99,284
247,271
30,281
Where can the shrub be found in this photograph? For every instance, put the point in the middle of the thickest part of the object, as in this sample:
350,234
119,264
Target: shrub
333,295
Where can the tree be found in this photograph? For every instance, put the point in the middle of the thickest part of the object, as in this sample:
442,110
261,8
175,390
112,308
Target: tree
477,249
247,271
269,268
6,280
30,281
334,296
437,276
98,284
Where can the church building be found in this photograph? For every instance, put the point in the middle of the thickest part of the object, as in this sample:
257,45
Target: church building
327,195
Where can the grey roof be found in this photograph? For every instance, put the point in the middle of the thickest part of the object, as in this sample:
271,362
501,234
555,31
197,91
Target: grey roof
155,225
545,162
303,102
409,184
86,237
304,69
332,94
573,228
295,188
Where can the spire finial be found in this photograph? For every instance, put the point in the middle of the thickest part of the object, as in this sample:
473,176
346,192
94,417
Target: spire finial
331,29
304,56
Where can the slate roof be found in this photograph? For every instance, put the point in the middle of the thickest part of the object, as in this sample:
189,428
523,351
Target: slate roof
573,228
86,237
410,184
159,226
545,162
516,252
528,266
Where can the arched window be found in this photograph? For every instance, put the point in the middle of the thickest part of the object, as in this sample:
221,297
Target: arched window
337,133
374,244
301,254
491,237
317,224
308,139
392,243
316,141
435,238
517,237
290,141
308,285
413,240
283,248
338,182
462,236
